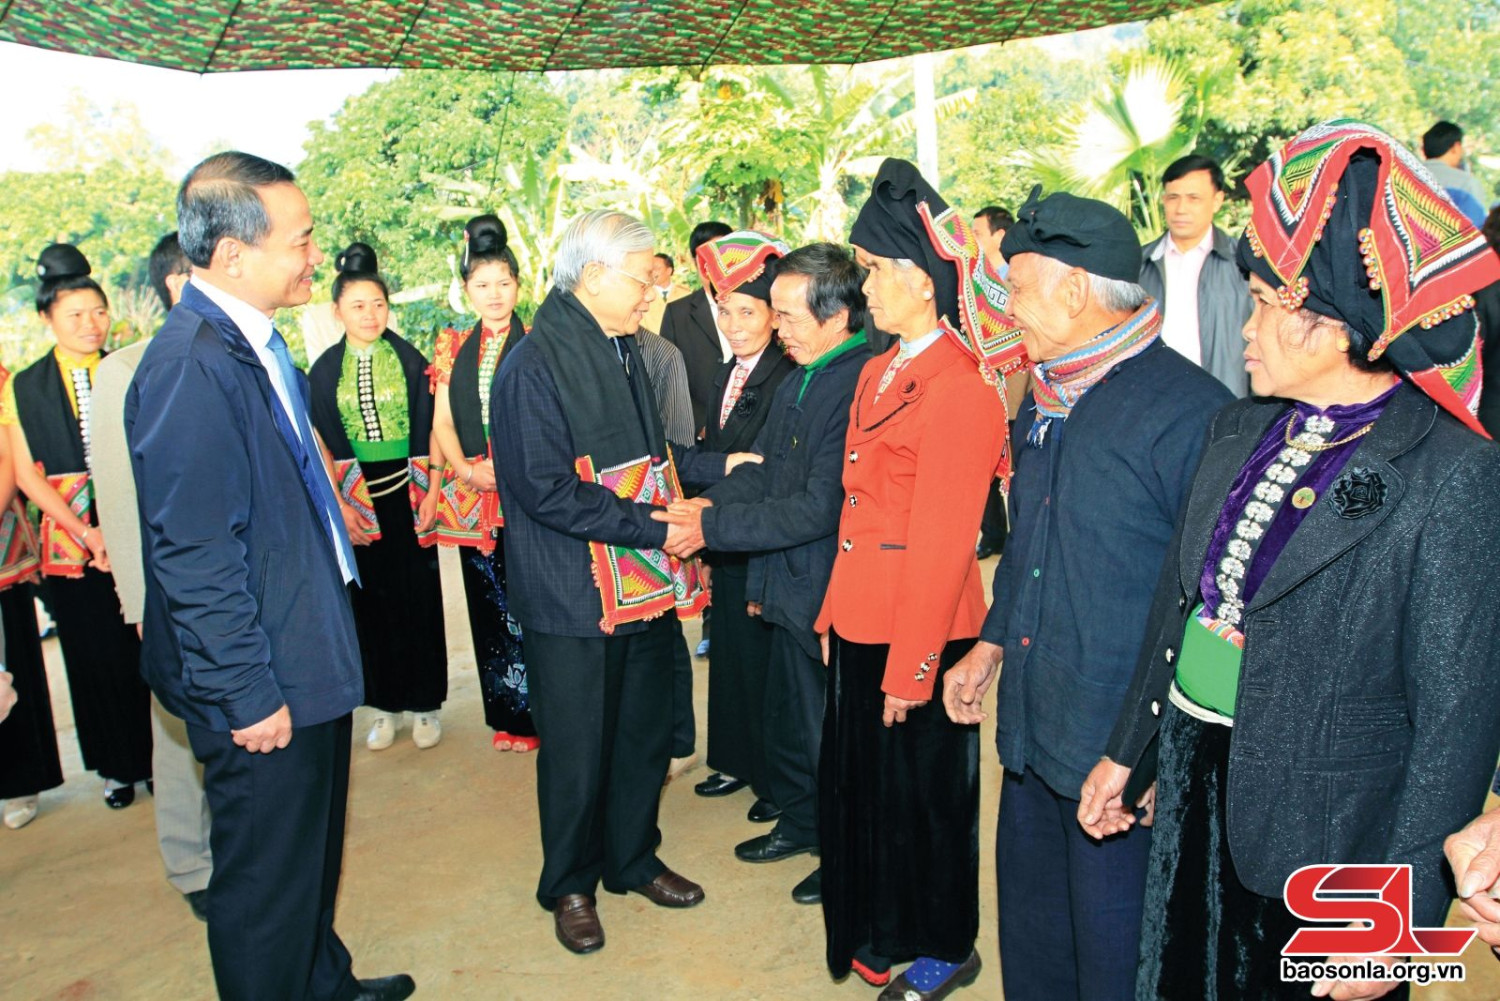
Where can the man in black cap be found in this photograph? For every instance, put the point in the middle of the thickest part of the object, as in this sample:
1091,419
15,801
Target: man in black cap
1105,451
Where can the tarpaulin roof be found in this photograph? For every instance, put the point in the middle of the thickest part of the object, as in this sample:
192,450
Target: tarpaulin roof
213,36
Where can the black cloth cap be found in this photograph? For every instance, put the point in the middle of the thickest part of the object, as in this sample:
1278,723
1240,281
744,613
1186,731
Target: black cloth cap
888,226
1080,232
62,260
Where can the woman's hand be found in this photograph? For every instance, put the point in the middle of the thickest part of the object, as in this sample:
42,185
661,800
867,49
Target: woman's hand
753,608
1356,990
354,525
427,511
896,709
1101,811
823,643
739,459
481,475
94,540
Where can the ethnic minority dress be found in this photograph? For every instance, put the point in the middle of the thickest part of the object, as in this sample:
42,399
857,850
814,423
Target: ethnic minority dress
373,410
51,401
471,520
29,761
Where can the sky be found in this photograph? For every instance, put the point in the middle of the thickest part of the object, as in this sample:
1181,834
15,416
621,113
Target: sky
190,115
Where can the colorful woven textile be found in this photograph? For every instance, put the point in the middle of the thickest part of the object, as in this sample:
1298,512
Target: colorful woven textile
1058,384
62,554
467,517
416,490
738,259
444,351
356,493
1343,210
636,584
19,561
538,35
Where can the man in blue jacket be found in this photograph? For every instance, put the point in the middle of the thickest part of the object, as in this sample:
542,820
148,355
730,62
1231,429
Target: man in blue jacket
1105,453
248,634
786,511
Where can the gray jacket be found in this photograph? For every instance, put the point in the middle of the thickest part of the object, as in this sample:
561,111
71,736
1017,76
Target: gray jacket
1223,307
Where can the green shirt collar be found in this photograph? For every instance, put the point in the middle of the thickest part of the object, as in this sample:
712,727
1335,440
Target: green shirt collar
812,368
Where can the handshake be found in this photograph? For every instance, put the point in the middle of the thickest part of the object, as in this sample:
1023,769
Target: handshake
684,518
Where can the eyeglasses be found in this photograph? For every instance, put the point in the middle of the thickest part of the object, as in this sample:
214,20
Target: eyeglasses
644,283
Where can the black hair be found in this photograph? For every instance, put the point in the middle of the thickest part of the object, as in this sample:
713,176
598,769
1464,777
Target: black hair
996,218
1440,139
485,242
835,281
62,268
218,199
667,260
166,260
703,232
1193,162
357,264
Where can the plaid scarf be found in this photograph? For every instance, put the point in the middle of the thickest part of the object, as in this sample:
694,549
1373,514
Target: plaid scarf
1059,384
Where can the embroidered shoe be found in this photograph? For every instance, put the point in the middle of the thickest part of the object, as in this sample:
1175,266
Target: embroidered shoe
426,730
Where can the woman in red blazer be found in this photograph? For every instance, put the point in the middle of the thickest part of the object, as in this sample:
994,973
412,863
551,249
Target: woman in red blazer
899,795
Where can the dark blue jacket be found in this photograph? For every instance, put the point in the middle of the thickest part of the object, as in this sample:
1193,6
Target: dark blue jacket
246,609
788,507
1092,513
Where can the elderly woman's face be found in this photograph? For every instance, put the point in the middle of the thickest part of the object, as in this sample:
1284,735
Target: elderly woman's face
1038,304
748,323
900,299
1290,353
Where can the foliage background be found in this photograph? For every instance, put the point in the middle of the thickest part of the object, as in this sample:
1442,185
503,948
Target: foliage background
789,149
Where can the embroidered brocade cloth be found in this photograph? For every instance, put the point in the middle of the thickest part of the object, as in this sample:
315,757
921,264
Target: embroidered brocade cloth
636,584
372,402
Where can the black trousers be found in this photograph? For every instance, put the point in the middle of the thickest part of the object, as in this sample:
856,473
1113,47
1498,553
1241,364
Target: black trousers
684,722
603,710
278,845
994,527
796,690
737,683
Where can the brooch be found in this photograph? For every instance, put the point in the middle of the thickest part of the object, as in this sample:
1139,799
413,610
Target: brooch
1357,492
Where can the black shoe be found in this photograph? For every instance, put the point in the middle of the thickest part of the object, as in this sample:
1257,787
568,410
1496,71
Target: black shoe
119,799
984,551
810,890
396,988
763,811
719,784
198,901
702,650
771,847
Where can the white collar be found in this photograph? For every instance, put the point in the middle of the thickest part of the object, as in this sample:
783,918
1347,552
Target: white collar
910,349
752,361
255,325
1166,246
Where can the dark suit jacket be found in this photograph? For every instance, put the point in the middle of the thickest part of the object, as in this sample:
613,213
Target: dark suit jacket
246,609
689,324
786,510
1365,727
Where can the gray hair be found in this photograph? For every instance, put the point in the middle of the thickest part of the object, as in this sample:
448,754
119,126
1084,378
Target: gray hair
1112,295
218,199
604,236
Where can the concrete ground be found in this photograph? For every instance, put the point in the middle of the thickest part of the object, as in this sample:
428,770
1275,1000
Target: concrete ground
440,865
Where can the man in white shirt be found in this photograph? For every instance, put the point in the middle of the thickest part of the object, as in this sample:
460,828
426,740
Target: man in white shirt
1191,270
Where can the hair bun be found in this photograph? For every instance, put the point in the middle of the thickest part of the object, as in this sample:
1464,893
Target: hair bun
61,260
357,259
485,234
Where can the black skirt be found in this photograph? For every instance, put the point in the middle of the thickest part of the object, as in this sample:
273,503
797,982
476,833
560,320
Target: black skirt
898,814
111,703
1204,935
497,642
29,762
398,608
737,662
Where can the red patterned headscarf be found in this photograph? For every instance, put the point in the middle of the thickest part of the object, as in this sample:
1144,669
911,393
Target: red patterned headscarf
740,262
1346,222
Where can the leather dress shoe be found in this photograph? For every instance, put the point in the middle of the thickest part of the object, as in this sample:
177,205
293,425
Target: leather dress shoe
394,988
671,890
984,551
197,901
577,922
810,890
719,784
771,847
119,799
902,989
763,811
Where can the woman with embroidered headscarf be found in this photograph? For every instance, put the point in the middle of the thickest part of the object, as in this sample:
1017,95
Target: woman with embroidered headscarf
372,409
899,781
740,267
1322,658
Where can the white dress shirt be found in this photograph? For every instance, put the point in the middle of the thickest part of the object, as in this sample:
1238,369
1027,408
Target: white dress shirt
1179,328
257,328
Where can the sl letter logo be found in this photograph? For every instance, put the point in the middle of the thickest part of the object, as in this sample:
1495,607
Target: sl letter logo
1376,899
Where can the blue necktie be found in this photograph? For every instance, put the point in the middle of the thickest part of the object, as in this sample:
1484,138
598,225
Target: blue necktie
314,476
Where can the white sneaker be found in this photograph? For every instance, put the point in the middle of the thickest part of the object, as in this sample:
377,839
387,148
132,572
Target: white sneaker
20,811
382,731
426,730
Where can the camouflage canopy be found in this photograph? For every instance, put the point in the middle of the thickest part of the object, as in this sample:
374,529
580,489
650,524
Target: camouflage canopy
215,36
